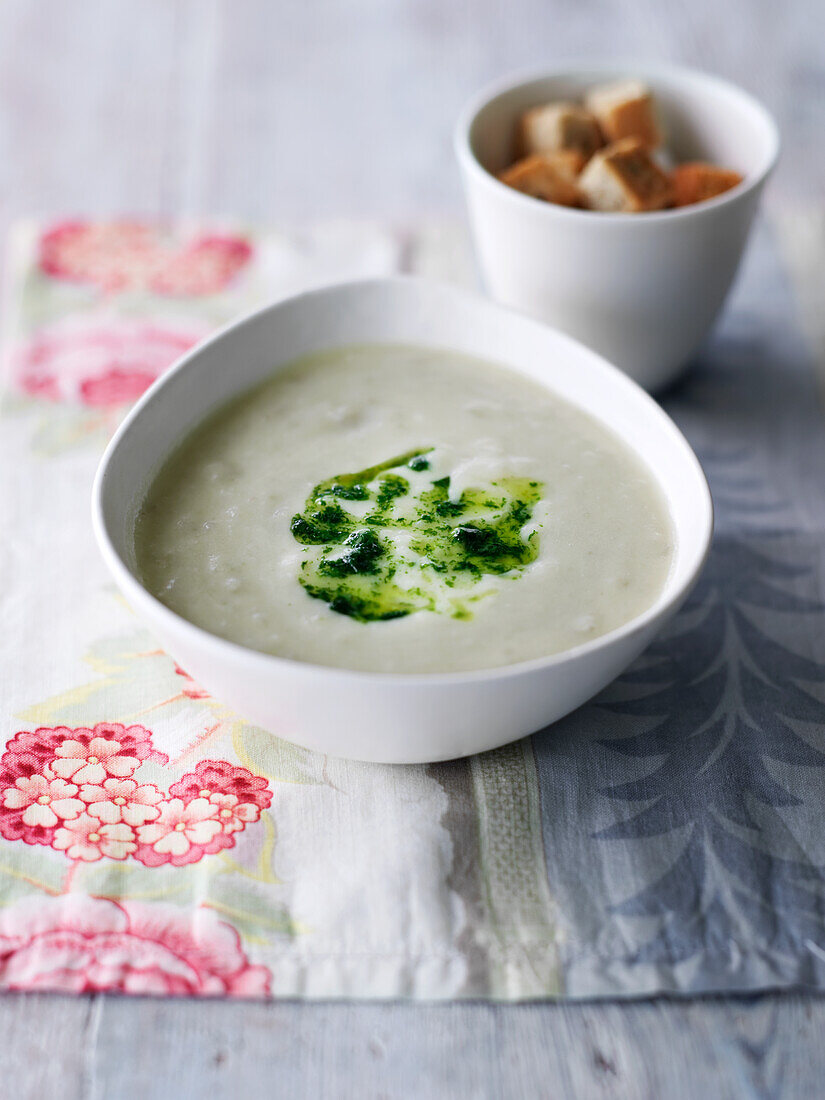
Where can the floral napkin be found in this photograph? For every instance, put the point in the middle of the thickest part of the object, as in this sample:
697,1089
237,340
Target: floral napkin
136,813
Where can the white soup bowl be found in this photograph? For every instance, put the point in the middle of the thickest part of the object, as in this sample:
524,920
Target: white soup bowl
378,716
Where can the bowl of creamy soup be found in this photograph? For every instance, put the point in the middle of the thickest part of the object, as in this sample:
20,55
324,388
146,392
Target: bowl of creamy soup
392,521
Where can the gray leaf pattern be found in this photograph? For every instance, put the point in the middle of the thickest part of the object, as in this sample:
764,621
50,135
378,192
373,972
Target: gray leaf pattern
687,796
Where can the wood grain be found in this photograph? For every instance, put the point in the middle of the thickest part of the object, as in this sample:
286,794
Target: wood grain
107,1047
274,111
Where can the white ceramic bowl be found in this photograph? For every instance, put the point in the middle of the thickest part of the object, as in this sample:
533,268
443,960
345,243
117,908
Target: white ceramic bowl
381,717
641,289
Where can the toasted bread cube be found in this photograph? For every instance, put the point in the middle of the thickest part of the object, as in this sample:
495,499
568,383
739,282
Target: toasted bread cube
697,181
569,161
624,110
560,126
624,178
541,177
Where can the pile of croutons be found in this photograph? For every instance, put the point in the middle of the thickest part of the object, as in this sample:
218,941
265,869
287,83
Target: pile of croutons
601,155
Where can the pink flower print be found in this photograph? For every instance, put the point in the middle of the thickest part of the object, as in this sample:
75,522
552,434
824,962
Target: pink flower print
103,363
92,763
113,255
88,839
232,814
28,751
123,255
73,789
219,776
190,689
134,740
115,387
117,800
43,799
205,267
41,385
183,833
12,825
80,944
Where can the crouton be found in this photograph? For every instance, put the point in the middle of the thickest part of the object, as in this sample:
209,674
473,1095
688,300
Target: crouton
696,181
569,161
625,178
624,110
560,126
543,178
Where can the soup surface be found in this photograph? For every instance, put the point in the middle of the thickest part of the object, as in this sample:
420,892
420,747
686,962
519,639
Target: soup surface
404,509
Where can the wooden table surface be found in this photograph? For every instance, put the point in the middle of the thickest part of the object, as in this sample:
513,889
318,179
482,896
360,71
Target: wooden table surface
277,110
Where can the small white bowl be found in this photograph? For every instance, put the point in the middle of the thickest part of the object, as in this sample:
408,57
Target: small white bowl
641,289
377,716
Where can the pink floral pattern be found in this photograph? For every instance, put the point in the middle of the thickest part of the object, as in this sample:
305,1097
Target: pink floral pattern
183,833
116,387
100,363
43,799
88,839
92,762
104,310
233,814
73,790
125,255
35,748
118,800
80,944
190,689
221,777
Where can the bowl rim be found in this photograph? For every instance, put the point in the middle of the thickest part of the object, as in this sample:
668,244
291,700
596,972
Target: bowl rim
476,103
668,601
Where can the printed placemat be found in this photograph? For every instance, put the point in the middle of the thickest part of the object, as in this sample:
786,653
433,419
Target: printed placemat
666,837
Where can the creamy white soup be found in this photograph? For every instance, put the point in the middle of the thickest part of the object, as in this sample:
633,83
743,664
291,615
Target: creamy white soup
404,509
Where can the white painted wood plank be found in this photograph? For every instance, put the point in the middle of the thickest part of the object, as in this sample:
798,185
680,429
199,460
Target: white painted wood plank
275,111
83,105
108,1047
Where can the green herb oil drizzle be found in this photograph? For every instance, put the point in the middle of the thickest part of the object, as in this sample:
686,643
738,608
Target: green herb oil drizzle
412,549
